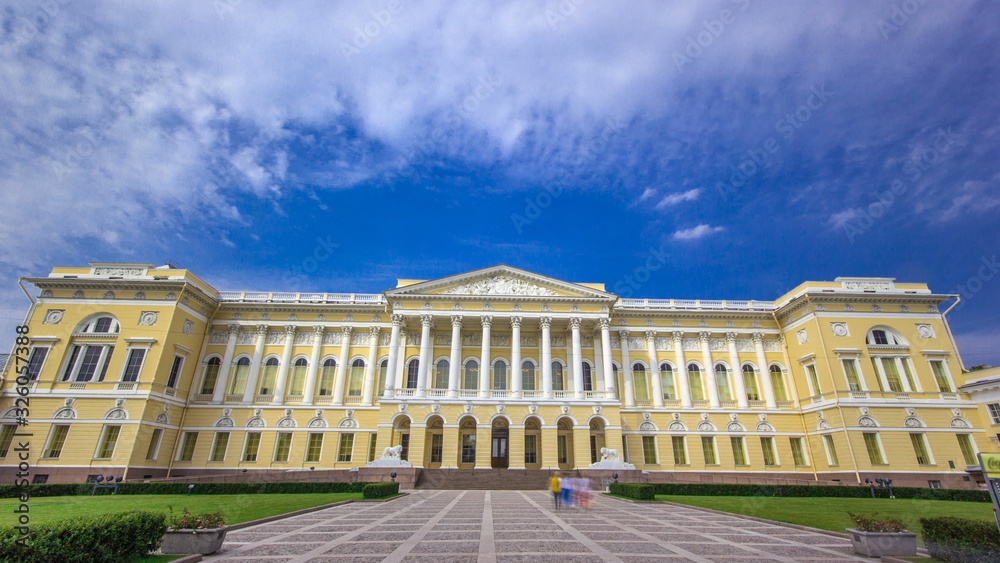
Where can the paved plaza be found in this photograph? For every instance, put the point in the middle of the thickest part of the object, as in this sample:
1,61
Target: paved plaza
470,526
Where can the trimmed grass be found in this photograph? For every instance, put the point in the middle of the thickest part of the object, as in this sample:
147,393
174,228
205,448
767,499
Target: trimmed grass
236,508
159,558
831,513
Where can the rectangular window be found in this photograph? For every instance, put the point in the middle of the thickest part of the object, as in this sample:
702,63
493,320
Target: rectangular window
38,354
372,441
346,450
471,375
968,449
667,383
6,437
739,451
74,355
356,380
831,450
694,381
530,449
905,362
188,443
679,446
562,449
88,364
282,445
994,409
220,446
851,369
175,371
314,447
107,447
892,375
639,385
874,448
934,484
767,445
649,450
133,364
251,447
468,448
919,442
154,444
56,441
941,377
798,451
778,384
437,447
500,376
107,362
750,383
708,447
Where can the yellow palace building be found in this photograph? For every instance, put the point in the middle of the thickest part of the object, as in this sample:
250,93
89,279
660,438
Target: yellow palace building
149,372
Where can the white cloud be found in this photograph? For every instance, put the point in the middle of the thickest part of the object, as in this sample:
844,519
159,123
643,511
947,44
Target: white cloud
674,199
695,233
841,218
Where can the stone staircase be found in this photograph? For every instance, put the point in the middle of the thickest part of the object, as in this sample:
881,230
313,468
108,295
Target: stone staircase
486,479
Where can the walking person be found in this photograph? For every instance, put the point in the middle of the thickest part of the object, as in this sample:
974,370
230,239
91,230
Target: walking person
555,487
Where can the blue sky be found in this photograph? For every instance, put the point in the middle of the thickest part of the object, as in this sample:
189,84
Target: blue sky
742,147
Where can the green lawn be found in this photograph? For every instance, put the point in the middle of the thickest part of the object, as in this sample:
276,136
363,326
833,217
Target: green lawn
831,513
237,508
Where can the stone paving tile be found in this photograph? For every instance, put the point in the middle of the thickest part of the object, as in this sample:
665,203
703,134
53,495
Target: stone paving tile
446,547
441,558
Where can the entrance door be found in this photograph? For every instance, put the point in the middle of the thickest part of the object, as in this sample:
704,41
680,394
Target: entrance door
404,440
499,458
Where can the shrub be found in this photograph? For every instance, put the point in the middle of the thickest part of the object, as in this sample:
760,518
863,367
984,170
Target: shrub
187,521
636,491
108,538
872,523
299,487
842,491
961,539
380,490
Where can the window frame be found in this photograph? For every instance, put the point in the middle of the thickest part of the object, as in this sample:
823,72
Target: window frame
155,441
213,454
176,371
799,453
714,450
33,374
973,450
47,450
649,453
7,432
830,445
769,450
245,451
741,440
186,438
128,365
314,447
993,409
876,442
102,442
919,442
282,449
683,458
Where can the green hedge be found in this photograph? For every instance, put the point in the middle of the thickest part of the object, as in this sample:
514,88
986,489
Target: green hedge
849,491
380,490
108,538
961,540
637,491
12,491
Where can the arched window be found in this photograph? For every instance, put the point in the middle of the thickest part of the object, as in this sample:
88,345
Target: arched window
778,383
383,371
694,381
722,381
89,358
639,381
327,376
211,376
357,378
241,371
891,360
471,375
527,375
412,372
500,375
102,324
298,377
750,383
884,337
667,382
558,383
267,378
588,378
441,375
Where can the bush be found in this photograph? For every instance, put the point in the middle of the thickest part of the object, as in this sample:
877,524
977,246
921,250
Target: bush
961,540
299,487
380,490
636,491
842,491
188,521
108,538
872,523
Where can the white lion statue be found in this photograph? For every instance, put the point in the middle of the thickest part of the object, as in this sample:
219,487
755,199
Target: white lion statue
392,452
608,454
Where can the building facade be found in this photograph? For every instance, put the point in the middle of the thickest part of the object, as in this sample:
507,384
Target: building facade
150,372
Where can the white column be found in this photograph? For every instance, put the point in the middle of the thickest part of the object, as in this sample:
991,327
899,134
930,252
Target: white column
456,355
709,378
224,370
546,323
515,357
765,377
401,367
258,353
484,364
734,360
626,370
597,374
654,369
339,380
682,376
608,368
390,372
286,358
307,394
371,374
574,324
425,354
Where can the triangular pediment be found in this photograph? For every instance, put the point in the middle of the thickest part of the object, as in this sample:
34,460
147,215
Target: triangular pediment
499,281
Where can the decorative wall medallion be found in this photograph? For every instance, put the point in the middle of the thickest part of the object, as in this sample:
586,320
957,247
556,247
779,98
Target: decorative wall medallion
77,294
867,421
823,425
116,413
402,407
188,327
876,308
764,427
840,329
69,402
533,409
675,425
317,422
293,317
256,422
925,331
237,316
46,293
119,402
959,422
565,409
848,307
487,307
346,423
597,409
913,422
54,316
803,336
706,426
64,412
904,309
468,408
820,307
139,295
546,308
225,422
730,324
516,307
675,323
457,307
703,323
762,417
286,422
437,408
575,309
109,295
735,427
956,412
500,408
162,418
756,324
